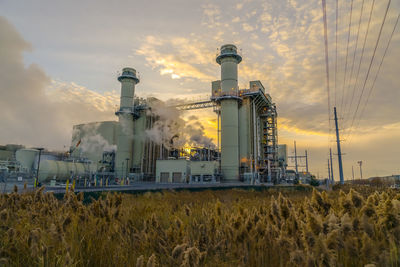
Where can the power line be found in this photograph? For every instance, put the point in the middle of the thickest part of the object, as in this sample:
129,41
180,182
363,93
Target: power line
347,52
362,56
370,64
326,60
354,55
336,37
379,68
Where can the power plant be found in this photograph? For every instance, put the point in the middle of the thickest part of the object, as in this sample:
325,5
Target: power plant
145,145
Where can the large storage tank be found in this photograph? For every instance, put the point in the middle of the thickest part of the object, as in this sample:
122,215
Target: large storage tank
26,157
61,170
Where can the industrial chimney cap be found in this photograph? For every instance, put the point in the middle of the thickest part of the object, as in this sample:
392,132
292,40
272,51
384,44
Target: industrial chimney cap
228,50
128,73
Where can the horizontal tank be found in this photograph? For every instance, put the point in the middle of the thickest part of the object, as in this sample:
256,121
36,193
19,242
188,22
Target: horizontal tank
26,157
61,170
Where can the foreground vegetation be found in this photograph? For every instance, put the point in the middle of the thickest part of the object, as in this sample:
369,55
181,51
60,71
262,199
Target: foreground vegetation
210,228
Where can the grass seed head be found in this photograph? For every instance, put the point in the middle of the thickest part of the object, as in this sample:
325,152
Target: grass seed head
140,261
152,262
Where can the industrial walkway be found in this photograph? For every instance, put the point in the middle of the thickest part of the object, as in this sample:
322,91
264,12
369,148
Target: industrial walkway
139,186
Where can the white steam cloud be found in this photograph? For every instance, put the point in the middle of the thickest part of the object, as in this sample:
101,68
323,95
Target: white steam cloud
91,141
173,131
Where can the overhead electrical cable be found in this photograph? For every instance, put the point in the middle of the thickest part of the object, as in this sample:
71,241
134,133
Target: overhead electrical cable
354,56
378,71
336,55
361,58
370,64
326,60
347,53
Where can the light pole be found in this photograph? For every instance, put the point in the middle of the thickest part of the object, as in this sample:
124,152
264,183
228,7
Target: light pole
127,160
37,171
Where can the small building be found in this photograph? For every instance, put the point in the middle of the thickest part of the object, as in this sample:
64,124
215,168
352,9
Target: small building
203,171
172,171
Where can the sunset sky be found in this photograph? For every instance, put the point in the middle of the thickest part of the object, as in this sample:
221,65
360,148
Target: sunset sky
59,62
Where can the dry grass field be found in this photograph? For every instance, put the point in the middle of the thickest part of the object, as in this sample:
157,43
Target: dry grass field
344,227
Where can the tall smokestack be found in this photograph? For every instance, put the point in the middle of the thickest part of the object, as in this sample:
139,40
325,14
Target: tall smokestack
123,157
229,60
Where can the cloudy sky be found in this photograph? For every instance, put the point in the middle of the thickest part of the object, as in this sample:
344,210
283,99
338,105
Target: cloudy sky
59,61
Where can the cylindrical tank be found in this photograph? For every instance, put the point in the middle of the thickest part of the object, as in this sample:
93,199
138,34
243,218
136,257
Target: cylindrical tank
139,131
229,59
62,167
125,114
61,170
245,133
26,157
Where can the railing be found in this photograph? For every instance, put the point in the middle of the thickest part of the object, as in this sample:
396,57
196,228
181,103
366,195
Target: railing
127,110
227,52
196,105
136,76
222,94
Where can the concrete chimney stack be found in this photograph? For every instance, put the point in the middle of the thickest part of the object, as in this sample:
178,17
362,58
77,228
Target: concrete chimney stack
123,157
229,60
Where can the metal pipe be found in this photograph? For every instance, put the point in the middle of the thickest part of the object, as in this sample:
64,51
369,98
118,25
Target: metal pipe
218,131
254,138
37,171
330,155
258,138
306,162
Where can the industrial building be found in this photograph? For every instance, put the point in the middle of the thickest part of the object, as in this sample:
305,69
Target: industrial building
247,125
247,147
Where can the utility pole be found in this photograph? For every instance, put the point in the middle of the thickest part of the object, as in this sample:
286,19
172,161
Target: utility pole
338,149
330,155
37,171
328,181
295,158
306,162
329,171
360,163
352,172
